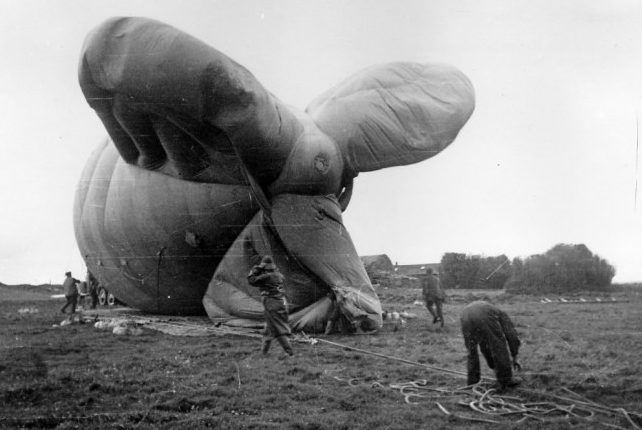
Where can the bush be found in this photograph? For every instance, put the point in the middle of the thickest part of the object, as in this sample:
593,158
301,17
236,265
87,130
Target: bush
474,271
562,269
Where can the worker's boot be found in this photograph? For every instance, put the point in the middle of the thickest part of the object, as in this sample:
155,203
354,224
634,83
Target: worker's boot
285,343
266,346
505,385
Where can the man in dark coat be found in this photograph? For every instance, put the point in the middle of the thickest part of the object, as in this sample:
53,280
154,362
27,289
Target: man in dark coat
489,327
267,278
71,292
433,295
92,282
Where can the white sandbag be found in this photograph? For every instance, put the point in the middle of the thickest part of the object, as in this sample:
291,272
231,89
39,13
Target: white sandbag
120,330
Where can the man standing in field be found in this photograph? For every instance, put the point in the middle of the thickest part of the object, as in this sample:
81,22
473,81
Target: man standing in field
491,329
92,282
71,292
433,295
267,278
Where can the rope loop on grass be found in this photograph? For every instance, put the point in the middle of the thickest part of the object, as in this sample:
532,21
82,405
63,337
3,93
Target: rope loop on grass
487,401
493,406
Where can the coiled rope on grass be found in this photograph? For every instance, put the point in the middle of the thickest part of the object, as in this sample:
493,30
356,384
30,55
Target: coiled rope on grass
494,407
483,399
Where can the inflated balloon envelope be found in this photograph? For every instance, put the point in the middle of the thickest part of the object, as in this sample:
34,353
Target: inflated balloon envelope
205,171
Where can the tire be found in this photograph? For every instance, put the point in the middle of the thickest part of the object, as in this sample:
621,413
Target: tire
102,296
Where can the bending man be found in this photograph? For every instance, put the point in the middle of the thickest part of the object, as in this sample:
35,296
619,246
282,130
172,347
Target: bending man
489,327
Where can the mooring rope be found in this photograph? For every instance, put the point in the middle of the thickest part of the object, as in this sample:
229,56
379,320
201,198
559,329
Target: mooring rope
389,357
479,398
487,401
494,407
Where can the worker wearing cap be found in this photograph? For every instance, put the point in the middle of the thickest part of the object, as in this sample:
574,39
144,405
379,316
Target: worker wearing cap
92,283
71,292
433,295
267,278
491,329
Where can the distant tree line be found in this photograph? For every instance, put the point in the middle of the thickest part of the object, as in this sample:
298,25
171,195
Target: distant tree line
458,270
562,269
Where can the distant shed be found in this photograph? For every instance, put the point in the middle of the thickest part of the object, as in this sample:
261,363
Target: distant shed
415,269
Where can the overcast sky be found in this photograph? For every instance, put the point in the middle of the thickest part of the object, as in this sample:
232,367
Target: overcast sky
549,155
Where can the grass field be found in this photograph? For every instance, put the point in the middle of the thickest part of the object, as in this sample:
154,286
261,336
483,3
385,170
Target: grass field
79,377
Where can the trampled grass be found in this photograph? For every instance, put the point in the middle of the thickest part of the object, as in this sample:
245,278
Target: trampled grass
79,377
